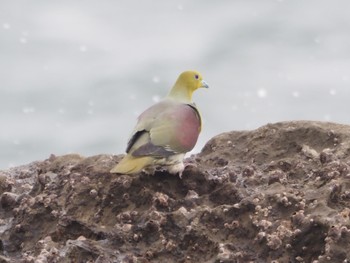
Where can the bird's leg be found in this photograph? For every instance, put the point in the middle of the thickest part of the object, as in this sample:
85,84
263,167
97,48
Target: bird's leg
177,168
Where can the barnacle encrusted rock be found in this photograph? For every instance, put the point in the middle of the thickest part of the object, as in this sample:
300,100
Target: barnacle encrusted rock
280,193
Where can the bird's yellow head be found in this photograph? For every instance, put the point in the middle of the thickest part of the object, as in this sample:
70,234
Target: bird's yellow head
186,84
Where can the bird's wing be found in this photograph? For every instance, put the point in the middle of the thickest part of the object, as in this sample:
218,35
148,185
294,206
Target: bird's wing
165,129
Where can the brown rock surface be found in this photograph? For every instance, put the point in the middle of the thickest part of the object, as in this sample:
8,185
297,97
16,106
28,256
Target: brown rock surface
280,193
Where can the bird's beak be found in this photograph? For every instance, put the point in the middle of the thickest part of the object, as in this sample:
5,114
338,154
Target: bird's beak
204,85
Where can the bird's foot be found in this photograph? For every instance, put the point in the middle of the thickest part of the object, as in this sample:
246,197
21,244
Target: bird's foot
190,165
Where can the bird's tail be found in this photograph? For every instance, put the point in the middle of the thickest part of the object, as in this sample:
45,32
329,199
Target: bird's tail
132,165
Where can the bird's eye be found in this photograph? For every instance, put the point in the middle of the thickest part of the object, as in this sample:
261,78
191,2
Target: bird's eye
196,76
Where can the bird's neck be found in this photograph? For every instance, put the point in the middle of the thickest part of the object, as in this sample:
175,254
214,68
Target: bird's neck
181,93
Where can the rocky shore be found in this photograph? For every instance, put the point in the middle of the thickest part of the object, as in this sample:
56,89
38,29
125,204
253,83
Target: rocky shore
280,193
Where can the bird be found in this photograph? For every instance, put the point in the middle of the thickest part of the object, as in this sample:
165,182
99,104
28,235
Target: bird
166,131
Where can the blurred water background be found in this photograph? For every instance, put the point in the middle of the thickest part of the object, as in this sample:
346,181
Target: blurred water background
74,75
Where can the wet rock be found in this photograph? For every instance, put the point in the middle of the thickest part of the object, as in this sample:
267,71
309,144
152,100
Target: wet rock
280,193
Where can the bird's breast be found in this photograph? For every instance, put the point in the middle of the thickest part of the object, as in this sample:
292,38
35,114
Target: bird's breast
189,126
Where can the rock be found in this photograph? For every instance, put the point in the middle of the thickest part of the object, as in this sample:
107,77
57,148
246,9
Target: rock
8,200
5,185
4,259
280,193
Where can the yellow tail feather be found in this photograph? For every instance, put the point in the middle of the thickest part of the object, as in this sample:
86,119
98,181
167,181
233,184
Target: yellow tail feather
132,165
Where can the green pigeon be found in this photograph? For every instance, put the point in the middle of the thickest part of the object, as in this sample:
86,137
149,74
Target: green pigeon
166,131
